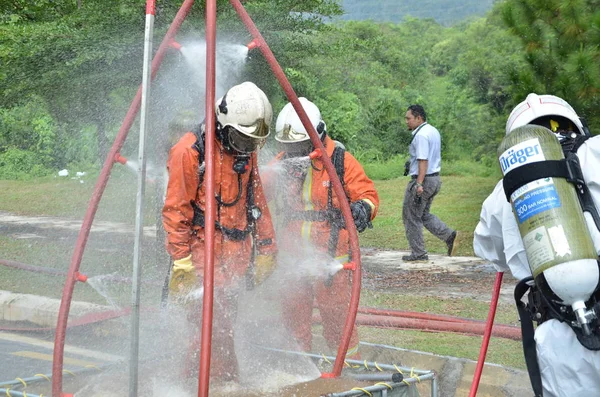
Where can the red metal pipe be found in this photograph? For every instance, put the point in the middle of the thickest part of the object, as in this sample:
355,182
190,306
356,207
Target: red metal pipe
417,315
175,45
371,320
55,272
84,232
337,185
120,159
252,45
209,232
31,268
487,334
150,7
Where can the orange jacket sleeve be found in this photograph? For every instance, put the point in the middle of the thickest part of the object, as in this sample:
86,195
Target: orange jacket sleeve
182,188
358,186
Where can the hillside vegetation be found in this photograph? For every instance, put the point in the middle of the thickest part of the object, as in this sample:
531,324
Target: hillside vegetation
445,12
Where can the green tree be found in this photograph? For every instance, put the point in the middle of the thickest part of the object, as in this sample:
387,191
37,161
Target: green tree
561,40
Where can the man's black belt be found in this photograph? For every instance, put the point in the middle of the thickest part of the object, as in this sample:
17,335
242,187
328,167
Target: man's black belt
432,174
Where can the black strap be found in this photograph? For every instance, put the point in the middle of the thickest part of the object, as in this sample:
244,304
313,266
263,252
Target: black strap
199,146
531,172
527,336
199,220
417,131
337,158
230,233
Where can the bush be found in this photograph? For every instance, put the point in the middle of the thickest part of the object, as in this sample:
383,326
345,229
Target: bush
21,164
393,168
469,168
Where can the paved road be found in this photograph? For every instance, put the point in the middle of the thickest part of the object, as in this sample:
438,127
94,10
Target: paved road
30,358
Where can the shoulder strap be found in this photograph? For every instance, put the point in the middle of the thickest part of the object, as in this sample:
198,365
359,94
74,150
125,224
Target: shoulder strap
417,131
572,145
527,331
337,158
199,144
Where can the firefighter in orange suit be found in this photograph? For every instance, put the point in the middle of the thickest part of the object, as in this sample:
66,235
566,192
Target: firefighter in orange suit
314,224
244,237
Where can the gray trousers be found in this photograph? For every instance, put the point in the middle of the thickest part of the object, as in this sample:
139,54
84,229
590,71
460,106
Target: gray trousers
415,214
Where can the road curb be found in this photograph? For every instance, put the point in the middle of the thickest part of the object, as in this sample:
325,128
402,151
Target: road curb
40,310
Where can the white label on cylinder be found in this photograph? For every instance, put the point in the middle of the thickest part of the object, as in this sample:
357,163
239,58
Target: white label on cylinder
559,240
525,152
538,247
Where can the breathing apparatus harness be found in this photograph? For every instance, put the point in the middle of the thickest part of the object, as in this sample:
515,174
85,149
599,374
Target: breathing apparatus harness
331,214
241,165
542,304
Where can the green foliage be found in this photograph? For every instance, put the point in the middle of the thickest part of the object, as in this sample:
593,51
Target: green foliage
20,164
379,170
445,12
561,45
28,140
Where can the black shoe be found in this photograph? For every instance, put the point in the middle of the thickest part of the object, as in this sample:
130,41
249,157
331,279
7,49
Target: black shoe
414,258
450,243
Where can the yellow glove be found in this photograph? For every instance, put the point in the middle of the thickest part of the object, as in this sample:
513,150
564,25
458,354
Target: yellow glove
263,267
183,277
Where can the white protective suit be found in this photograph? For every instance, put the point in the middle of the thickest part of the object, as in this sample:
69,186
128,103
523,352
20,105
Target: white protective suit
567,368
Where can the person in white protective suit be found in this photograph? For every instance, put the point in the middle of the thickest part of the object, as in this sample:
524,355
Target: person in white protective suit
566,367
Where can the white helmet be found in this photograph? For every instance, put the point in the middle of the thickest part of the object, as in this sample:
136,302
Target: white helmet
247,110
549,111
289,128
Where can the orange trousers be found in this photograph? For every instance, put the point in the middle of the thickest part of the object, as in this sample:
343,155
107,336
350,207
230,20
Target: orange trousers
332,298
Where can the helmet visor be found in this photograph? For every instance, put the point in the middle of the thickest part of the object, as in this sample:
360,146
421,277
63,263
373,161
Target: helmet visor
259,129
242,142
296,149
289,135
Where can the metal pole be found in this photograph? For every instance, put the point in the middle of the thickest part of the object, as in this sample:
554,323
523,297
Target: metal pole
209,228
487,334
139,211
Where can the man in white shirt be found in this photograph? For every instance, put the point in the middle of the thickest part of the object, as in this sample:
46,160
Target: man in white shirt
424,169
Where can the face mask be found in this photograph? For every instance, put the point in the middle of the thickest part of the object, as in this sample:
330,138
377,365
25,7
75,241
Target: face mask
296,149
243,143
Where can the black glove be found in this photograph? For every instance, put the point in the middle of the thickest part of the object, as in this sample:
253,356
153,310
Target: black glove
361,212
